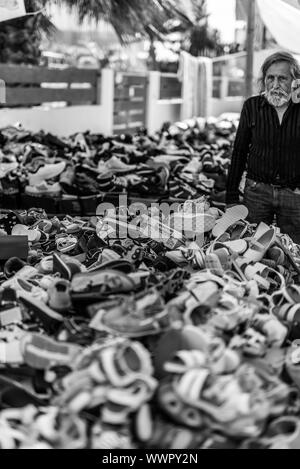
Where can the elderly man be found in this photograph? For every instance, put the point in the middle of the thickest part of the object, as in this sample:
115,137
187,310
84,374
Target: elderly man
268,146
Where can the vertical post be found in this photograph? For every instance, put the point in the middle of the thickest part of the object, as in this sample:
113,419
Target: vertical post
2,92
152,99
250,47
264,40
107,95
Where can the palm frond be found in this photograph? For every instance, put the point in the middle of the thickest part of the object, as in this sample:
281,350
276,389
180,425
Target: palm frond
129,17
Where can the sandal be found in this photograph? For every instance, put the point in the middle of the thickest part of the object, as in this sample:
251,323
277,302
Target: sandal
41,352
231,217
176,409
122,402
135,318
166,435
234,413
66,243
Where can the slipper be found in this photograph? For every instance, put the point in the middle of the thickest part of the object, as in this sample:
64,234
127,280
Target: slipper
258,247
231,217
238,246
109,439
127,400
154,229
214,265
292,363
30,287
22,230
166,435
205,276
102,282
231,313
174,341
41,352
192,224
49,318
121,265
283,432
290,294
12,266
235,232
184,361
255,272
173,406
275,331
122,364
132,357
143,424
114,228
202,292
66,243
255,344
26,273
135,319
232,412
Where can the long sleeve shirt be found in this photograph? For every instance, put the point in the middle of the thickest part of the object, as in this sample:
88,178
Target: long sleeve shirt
268,150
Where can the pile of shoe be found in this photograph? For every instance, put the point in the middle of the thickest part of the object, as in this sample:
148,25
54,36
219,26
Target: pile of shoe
183,161
174,331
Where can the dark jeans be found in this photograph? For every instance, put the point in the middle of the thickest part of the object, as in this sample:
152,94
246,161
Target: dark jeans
266,202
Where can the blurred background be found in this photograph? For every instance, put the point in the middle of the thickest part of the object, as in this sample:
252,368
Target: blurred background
145,36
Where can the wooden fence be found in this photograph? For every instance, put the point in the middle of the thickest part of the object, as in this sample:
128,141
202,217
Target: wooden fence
32,86
108,103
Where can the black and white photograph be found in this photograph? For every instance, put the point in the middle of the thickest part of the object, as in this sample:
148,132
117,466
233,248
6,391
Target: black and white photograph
149,228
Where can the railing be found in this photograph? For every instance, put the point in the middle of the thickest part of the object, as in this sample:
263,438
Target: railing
33,86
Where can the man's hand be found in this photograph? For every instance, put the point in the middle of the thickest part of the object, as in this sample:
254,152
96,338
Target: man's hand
296,91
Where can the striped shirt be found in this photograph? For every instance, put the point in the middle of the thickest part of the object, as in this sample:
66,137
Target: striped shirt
268,150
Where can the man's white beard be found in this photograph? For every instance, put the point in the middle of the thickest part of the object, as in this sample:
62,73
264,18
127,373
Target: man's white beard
278,98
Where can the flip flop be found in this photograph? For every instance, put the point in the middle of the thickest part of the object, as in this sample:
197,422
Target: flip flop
192,224
231,217
238,247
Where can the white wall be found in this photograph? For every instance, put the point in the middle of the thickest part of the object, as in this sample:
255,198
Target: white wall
219,106
62,122
160,110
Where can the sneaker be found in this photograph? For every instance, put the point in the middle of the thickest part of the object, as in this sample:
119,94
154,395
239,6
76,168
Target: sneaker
49,171
115,165
43,188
